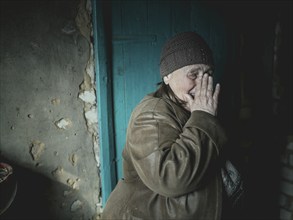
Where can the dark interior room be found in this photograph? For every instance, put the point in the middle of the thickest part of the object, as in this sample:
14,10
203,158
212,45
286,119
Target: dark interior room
58,103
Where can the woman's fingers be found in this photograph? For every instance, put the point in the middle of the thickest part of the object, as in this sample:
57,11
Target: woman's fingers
209,91
205,99
198,82
204,83
216,94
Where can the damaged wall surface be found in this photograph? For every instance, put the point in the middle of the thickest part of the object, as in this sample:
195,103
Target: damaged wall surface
48,107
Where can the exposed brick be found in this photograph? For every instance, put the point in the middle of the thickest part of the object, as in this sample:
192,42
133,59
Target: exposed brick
282,200
287,173
284,159
287,188
290,146
291,160
285,215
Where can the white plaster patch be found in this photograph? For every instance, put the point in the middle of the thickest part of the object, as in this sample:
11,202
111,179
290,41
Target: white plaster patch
90,69
97,151
99,206
92,115
64,123
88,96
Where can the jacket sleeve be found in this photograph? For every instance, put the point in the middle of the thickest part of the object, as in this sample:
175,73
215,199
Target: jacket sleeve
172,160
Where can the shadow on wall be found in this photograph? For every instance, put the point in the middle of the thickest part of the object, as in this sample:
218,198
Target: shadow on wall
39,197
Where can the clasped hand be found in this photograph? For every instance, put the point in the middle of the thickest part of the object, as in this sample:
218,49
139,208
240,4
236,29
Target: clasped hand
205,99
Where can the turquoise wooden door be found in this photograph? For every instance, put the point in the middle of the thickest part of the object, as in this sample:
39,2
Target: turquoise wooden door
139,30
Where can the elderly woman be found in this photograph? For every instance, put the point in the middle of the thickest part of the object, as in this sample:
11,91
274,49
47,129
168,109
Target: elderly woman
172,156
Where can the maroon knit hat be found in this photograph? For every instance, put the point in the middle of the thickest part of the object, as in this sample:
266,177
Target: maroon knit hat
184,49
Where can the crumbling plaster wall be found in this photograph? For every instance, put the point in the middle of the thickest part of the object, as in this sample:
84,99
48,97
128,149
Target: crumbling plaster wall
48,114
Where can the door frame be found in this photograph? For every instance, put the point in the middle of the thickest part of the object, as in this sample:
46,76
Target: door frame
102,35
104,95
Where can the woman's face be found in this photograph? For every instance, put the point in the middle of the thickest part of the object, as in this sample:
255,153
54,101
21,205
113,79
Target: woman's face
182,81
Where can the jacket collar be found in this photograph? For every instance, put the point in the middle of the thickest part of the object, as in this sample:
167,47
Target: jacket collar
181,113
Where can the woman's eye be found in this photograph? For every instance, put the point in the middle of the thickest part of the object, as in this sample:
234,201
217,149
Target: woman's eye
192,75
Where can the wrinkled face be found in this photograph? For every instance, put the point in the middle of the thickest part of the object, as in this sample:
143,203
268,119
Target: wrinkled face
182,81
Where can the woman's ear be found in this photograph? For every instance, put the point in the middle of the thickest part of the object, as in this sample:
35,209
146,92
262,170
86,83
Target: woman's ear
167,79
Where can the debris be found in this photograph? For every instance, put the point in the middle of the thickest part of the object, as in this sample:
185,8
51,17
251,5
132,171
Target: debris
30,116
36,149
64,123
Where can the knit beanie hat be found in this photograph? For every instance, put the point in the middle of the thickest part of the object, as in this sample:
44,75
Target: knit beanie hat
184,49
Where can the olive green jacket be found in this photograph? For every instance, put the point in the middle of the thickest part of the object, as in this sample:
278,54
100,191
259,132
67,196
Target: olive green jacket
170,164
